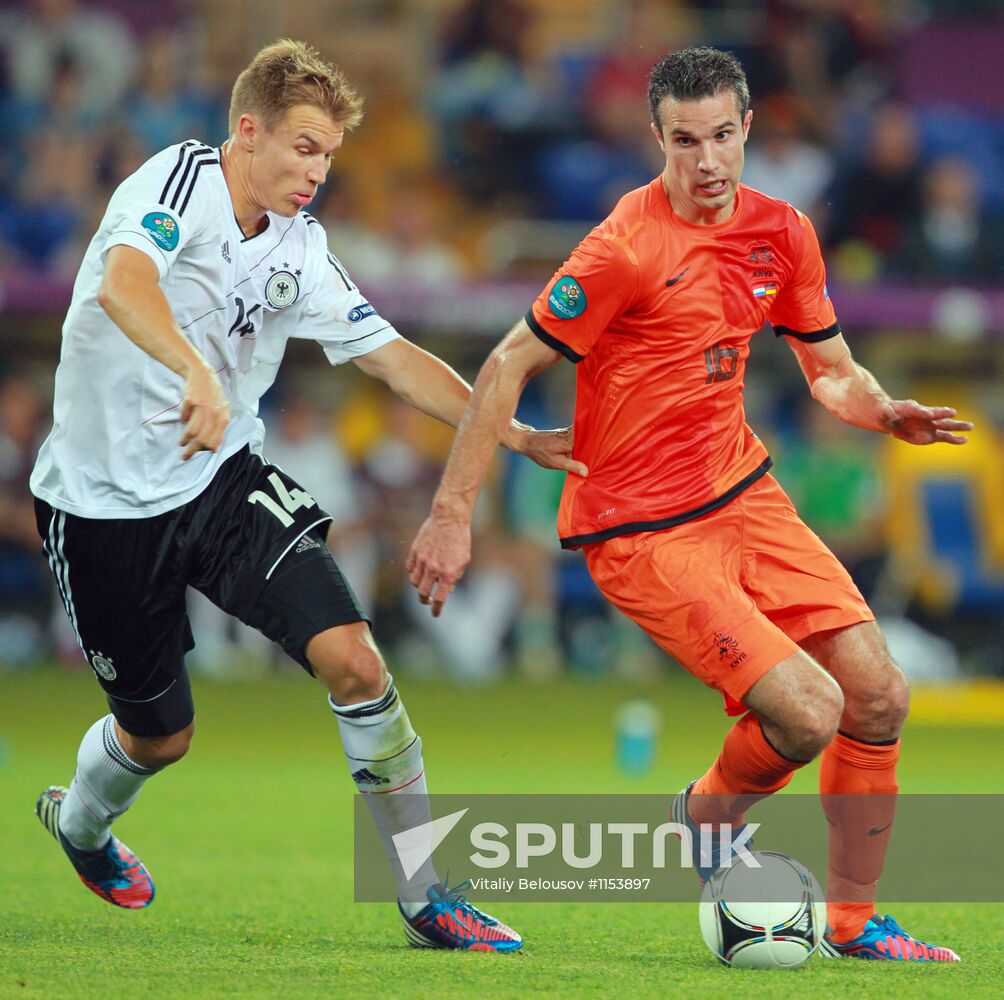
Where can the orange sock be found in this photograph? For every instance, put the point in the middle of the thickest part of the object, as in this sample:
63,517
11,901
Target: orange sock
747,770
857,782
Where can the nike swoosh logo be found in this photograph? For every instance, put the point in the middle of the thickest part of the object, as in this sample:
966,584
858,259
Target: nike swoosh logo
876,830
673,281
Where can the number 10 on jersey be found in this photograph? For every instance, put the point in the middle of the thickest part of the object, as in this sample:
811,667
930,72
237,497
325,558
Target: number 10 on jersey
721,362
291,500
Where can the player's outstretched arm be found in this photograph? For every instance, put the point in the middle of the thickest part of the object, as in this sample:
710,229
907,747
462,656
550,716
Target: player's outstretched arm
132,297
432,386
853,394
442,549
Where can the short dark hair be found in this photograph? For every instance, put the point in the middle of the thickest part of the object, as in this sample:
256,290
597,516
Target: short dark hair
690,74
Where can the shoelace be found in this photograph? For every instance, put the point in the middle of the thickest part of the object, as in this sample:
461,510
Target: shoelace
454,898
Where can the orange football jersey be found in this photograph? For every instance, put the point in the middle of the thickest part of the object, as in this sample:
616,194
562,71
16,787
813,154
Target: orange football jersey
658,314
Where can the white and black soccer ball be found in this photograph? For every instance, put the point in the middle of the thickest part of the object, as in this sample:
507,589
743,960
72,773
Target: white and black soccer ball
771,917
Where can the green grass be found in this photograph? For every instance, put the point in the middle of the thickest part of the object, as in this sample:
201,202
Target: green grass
250,840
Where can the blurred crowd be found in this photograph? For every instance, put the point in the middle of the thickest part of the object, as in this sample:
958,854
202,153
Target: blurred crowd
495,132
535,110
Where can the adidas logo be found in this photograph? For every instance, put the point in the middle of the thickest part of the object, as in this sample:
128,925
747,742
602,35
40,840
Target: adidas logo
225,250
306,543
364,776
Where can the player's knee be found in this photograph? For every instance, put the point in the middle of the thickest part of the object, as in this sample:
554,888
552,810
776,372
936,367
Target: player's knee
817,722
158,751
347,661
362,677
878,709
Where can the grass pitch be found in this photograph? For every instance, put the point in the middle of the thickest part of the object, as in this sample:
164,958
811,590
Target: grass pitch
250,842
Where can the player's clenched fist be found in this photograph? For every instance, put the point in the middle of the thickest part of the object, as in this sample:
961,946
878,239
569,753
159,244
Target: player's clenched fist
205,412
439,555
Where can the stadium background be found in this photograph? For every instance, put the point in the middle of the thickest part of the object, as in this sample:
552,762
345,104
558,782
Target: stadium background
496,133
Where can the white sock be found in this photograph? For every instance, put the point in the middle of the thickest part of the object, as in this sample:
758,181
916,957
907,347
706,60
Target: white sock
107,782
385,760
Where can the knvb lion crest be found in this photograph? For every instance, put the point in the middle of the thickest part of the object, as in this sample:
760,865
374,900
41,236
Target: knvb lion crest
728,649
761,253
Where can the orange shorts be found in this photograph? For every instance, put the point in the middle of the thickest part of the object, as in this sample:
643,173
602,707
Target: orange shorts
731,594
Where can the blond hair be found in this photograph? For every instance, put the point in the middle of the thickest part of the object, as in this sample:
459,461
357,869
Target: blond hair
287,73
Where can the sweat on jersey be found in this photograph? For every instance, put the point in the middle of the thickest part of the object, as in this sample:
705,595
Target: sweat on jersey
658,314
113,450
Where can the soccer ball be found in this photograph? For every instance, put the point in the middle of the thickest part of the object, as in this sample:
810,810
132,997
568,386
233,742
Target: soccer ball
771,917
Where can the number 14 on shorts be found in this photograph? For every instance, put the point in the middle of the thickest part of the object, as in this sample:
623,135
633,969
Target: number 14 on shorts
291,500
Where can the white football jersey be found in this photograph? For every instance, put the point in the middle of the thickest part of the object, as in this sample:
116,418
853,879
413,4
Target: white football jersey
113,451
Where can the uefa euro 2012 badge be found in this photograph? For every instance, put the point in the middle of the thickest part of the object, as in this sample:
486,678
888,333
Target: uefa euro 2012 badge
567,299
162,228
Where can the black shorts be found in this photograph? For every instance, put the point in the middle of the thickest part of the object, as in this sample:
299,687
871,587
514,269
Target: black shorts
252,542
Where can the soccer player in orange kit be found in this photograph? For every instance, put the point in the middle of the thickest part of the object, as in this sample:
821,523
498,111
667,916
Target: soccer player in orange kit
682,525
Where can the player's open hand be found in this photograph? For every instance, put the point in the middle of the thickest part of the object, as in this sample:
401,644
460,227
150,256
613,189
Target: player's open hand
205,412
438,557
550,449
907,420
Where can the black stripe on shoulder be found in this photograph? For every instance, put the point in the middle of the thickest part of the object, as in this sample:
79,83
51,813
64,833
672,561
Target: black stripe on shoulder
333,261
541,334
812,337
309,219
194,158
185,146
191,186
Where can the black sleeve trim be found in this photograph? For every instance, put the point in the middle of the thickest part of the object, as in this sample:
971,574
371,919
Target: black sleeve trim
372,333
541,334
808,338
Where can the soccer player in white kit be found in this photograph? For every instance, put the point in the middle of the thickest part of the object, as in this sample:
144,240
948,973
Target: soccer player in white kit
153,477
